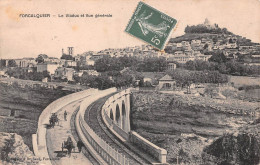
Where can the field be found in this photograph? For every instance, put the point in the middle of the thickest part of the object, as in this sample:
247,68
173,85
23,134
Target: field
244,80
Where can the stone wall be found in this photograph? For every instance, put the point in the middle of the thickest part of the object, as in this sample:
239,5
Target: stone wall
155,151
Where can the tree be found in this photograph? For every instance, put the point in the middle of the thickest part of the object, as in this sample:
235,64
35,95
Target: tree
40,58
8,147
128,61
241,149
218,57
103,82
2,63
152,65
108,64
87,79
230,40
222,68
182,77
204,29
186,77
206,46
215,40
102,65
190,65
123,80
22,74
76,78
233,67
67,57
36,76
12,63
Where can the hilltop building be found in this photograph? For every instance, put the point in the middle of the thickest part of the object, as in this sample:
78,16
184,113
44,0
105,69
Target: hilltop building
26,62
70,63
70,51
171,66
64,73
166,83
49,67
208,24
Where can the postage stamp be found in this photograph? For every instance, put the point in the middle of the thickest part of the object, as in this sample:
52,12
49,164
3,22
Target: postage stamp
150,25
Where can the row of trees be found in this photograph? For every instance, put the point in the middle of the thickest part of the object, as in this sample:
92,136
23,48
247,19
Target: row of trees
10,63
185,78
105,81
220,63
204,29
22,74
117,64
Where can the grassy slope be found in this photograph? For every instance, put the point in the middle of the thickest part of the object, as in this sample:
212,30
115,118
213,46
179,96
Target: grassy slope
28,104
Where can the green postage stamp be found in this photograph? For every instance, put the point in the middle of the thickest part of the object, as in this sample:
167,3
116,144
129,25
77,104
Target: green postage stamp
150,25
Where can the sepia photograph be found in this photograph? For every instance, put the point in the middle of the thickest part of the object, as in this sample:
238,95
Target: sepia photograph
130,82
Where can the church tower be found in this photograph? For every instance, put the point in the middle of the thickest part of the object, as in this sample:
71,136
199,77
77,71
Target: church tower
70,51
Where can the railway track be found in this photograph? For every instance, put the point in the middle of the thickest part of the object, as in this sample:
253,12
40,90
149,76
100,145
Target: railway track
93,118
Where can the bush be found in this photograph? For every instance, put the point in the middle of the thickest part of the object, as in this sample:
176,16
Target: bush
8,147
241,149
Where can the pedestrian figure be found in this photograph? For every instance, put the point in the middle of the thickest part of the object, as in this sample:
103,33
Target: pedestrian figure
69,146
69,149
69,139
80,145
65,115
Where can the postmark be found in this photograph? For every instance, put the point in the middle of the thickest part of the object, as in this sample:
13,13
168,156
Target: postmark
150,25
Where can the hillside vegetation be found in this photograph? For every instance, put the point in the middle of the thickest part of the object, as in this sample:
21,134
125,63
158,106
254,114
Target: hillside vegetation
14,151
21,107
186,125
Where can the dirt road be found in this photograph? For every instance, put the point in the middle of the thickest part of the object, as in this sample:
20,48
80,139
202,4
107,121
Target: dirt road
57,135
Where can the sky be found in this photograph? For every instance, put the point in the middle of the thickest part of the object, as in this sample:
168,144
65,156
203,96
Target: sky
29,37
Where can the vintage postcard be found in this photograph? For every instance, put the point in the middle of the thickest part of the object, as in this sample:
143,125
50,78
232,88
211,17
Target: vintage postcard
130,82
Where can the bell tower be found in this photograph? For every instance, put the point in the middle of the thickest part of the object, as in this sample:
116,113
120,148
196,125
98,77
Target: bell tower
71,50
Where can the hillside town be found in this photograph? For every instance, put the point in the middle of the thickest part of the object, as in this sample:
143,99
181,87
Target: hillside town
198,98
193,46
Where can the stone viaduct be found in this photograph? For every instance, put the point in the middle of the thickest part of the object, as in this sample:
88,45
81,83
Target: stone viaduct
117,108
115,113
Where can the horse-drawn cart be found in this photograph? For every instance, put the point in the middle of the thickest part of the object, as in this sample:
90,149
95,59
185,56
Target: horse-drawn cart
67,145
53,119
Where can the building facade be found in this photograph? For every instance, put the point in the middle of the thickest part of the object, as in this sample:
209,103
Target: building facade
49,67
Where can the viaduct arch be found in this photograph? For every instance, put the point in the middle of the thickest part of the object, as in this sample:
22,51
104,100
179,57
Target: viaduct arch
116,114
117,107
